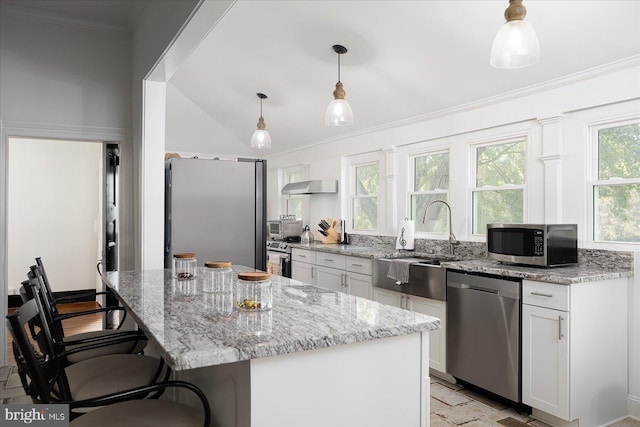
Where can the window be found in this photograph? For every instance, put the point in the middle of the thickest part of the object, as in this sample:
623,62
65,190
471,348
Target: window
294,203
364,196
616,190
430,181
498,195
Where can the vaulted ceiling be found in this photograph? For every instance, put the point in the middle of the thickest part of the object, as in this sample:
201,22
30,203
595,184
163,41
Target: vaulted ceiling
406,59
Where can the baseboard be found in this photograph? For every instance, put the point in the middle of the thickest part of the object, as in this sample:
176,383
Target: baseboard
633,406
82,295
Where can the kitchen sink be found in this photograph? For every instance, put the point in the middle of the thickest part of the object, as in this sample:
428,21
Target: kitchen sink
426,278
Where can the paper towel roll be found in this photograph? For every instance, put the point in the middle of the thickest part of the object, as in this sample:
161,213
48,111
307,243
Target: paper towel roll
406,234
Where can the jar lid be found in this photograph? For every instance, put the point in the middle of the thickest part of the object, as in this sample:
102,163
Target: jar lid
184,255
217,264
254,276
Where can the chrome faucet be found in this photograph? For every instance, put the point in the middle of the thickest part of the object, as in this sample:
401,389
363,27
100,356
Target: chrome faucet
452,237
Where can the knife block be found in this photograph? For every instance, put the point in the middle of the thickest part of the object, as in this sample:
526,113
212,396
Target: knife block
332,238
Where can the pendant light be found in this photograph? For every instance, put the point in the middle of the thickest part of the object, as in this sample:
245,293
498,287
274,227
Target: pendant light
516,44
261,138
339,111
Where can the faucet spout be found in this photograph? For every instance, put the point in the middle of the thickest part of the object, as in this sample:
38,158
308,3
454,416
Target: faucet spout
452,237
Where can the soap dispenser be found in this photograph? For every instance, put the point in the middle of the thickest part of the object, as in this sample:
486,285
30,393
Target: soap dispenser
307,236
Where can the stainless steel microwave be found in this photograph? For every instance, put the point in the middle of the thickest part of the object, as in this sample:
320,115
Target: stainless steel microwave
545,245
283,228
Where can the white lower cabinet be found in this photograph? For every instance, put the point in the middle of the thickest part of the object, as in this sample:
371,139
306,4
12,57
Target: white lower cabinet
545,360
574,351
329,278
359,285
302,271
340,273
430,307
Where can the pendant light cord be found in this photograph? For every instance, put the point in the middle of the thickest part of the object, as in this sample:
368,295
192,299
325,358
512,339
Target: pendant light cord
338,67
260,107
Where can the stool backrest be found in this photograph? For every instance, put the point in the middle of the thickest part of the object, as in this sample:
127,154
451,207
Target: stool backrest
41,372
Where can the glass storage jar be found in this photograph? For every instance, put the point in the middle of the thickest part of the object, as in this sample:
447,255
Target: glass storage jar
185,266
253,291
218,276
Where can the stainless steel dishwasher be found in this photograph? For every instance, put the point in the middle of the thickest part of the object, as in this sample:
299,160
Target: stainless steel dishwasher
483,332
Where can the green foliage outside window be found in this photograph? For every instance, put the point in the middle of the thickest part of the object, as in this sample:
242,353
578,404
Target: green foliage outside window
501,165
365,203
430,182
617,205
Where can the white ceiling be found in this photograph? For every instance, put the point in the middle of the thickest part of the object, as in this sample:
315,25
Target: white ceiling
405,59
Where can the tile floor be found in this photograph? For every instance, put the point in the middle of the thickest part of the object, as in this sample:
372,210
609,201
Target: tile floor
451,405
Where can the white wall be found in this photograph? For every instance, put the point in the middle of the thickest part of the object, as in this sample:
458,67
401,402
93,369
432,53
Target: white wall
64,80
61,73
155,30
189,128
54,211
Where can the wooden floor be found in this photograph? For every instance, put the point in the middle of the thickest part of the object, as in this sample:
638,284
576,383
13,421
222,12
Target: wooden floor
76,325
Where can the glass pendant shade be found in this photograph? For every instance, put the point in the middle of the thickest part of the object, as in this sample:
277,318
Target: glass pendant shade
260,139
339,113
515,46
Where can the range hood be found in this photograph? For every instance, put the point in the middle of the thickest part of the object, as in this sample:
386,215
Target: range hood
311,187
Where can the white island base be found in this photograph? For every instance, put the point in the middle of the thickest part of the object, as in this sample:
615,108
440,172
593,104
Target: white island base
378,383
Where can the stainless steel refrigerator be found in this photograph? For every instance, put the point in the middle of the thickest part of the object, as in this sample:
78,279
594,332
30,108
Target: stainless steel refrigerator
217,210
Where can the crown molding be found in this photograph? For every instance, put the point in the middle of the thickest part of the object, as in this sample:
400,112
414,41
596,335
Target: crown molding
54,130
59,18
622,64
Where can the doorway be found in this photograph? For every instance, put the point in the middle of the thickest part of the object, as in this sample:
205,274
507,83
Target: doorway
61,206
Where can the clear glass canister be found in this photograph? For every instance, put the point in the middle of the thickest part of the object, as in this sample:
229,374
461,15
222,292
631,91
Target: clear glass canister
218,276
253,291
185,266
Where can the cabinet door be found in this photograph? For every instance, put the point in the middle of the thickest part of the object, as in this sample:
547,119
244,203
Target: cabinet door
302,271
383,296
330,278
360,285
437,338
545,360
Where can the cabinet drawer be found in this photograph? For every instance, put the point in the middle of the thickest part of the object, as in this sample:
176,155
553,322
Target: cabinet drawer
548,295
303,255
359,265
330,260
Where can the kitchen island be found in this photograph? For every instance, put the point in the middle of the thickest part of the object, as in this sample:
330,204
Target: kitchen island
317,358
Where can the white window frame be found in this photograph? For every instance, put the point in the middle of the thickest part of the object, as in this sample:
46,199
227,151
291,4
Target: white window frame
474,146
412,192
349,165
592,172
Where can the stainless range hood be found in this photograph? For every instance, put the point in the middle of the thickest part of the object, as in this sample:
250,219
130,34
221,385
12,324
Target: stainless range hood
311,187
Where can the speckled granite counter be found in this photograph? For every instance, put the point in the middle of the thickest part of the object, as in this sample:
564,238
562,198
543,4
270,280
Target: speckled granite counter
369,251
564,275
194,329
561,275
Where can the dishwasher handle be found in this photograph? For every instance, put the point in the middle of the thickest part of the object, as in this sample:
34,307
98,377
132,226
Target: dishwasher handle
492,286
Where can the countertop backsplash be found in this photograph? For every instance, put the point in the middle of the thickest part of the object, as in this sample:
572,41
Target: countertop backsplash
588,258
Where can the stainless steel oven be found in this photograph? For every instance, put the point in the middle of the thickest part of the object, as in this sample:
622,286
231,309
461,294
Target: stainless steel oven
279,258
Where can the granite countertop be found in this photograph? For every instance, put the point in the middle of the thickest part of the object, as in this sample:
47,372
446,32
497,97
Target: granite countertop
195,329
563,275
369,251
